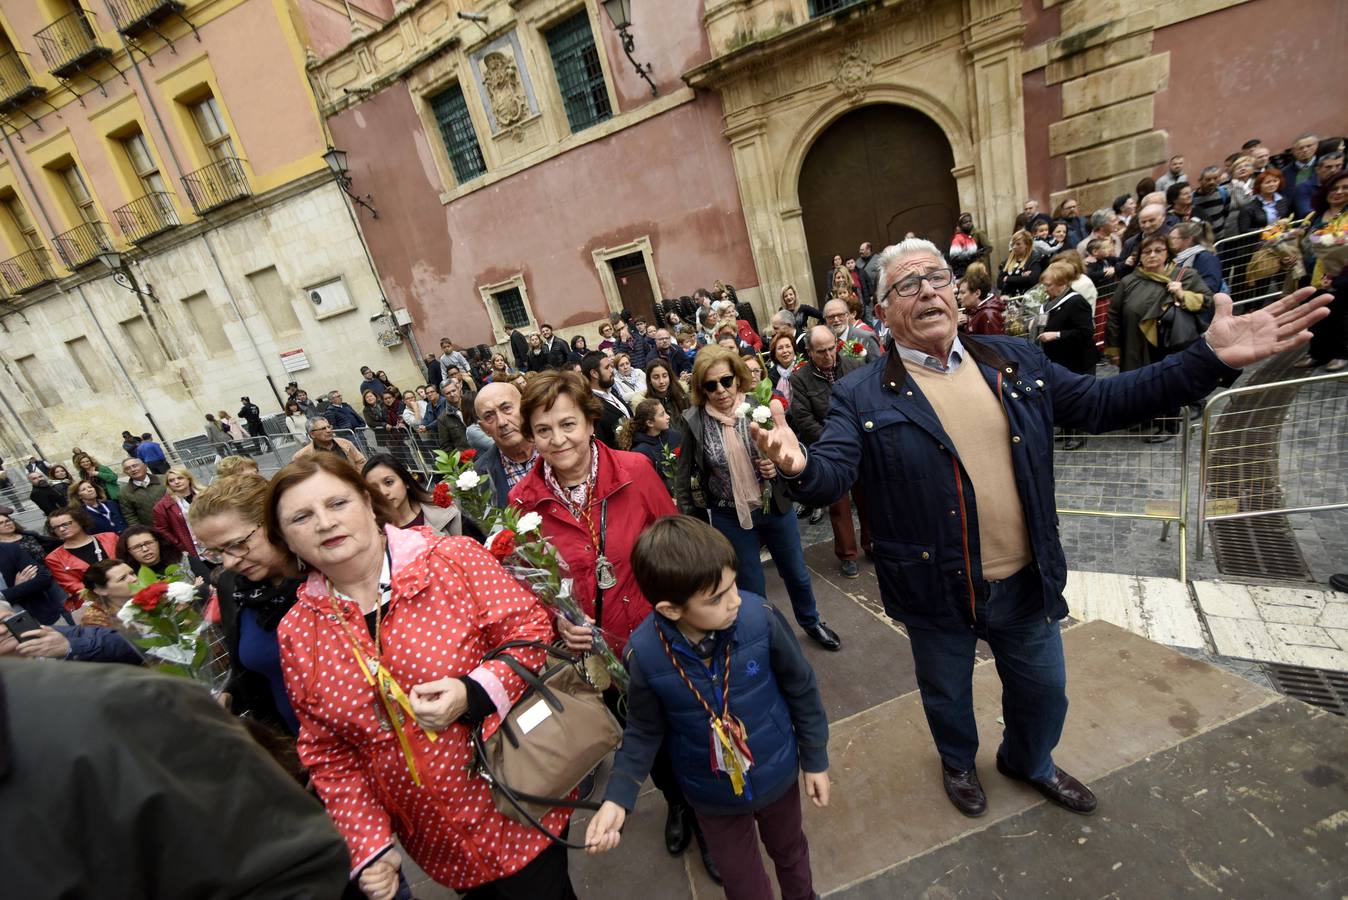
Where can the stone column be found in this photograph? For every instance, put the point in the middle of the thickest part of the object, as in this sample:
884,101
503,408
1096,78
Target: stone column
994,48
758,196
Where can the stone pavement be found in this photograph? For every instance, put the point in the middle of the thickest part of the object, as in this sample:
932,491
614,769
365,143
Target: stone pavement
1210,784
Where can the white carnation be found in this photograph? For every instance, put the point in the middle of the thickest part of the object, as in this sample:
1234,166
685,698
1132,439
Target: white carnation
468,480
762,414
181,592
742,410
528,522
127,614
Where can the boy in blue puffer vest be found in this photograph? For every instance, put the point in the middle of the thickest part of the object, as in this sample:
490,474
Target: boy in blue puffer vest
718,674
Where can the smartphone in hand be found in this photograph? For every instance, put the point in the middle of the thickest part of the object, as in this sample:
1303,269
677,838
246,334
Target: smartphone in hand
22,623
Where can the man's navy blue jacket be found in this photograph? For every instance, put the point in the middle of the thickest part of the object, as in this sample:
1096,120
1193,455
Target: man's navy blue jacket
923,513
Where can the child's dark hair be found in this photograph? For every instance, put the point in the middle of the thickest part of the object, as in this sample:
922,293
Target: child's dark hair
677,557
642,417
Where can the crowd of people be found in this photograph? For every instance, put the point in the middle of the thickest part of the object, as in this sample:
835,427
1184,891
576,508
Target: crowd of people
357,602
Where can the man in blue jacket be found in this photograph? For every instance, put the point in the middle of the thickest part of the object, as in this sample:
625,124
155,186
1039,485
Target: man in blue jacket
32,593
952,439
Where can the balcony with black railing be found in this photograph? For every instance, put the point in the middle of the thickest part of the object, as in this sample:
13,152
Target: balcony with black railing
16,85
144,217
81,245
213,186
825,7
26,271
70,45
135,16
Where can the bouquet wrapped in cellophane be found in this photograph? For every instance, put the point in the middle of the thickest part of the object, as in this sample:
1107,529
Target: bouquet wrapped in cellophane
514,539
163,621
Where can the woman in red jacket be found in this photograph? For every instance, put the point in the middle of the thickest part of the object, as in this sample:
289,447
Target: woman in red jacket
170,513
78,551
417,612
595,502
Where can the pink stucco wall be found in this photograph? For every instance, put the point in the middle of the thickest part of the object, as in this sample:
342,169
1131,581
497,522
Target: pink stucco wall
1265,71
667,36
262,85
670,177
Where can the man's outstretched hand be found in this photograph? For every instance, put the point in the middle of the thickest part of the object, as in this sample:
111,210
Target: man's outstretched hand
1283,325
779,443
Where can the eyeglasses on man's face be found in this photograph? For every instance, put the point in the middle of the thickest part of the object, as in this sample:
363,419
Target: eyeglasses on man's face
912,285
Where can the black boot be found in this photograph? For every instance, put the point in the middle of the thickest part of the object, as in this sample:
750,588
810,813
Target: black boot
677,833
712,872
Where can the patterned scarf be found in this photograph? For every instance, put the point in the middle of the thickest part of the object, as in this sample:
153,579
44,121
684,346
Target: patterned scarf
743,474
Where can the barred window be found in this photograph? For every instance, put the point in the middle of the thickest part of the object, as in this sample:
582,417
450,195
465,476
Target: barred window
510,302
824,7
576,62
456,130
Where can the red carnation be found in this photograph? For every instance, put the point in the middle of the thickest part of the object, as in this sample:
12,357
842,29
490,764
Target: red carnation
441,497
857,347
467,455
503,544
148,598
678,450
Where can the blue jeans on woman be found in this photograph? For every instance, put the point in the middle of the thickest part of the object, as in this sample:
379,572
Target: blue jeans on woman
782,538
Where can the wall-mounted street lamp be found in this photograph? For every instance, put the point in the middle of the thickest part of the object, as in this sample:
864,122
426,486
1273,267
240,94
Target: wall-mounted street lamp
124,276
336,160
620,14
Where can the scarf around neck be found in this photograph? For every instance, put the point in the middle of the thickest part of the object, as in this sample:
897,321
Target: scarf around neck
743,474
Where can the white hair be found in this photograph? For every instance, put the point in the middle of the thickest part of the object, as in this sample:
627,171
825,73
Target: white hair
312,423
895,252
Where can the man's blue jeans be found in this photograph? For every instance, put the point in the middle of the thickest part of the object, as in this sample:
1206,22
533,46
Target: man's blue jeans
782,538
1027,650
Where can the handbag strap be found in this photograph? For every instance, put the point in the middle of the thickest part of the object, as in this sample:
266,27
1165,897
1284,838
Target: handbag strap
599,591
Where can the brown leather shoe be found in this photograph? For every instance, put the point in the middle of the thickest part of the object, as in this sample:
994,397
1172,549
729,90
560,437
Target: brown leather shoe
1061,789
964,790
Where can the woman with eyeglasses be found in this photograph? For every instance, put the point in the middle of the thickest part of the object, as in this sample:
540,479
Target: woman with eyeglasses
720,474
78,551
141,545
256,586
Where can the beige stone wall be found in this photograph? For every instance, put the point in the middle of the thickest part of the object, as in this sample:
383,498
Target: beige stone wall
1109,75
185,366
784,78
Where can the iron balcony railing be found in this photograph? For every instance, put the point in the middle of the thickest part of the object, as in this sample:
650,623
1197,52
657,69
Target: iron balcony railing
144,217
81,245
16,85
213,186
69,44
824,7
26,271
133,16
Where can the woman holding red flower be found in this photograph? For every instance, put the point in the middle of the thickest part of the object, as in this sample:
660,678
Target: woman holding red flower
411,504
595,502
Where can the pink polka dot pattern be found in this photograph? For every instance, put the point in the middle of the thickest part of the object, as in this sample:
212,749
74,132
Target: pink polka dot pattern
451,603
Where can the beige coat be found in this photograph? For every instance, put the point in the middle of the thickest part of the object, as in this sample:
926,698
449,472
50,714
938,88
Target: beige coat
353,456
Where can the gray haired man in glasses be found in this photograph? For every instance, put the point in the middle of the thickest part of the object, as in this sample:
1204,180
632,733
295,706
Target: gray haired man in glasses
950,439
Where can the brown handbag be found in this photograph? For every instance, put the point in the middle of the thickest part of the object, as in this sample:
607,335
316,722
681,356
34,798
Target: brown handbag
558,732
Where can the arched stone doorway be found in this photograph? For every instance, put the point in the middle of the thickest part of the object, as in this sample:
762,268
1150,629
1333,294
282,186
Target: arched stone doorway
876,173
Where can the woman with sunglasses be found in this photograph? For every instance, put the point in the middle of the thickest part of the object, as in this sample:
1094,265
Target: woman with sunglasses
720,473
256,586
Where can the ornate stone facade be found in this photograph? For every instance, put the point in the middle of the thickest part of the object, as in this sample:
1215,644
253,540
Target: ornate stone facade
785,77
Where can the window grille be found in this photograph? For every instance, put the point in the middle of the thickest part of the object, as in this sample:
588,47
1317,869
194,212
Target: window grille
456,130
579,75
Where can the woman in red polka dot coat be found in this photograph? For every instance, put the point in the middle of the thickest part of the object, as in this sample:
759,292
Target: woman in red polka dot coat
591,496
424,609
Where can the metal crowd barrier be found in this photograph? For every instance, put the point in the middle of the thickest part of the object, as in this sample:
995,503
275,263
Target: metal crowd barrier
1273,449
415,450
1120,475
1248,292
200,456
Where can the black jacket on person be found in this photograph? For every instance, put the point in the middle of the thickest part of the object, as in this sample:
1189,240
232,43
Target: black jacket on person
48,498
451,432
519,348
1070,316
434,374
1252,216
35,594
1018,281
690,470
538,360
142,786
802,314
810,396
610,417
557,353
250,692
250,413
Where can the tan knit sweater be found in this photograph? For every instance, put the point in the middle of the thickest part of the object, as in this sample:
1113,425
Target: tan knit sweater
971,415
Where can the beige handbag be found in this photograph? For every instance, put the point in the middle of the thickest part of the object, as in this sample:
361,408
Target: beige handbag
557,733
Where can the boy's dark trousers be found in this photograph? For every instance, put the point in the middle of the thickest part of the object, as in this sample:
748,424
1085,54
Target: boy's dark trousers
734,848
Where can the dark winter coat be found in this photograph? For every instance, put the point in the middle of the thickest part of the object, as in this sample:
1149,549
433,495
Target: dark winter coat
810,392
772,691
923,511
1070,316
